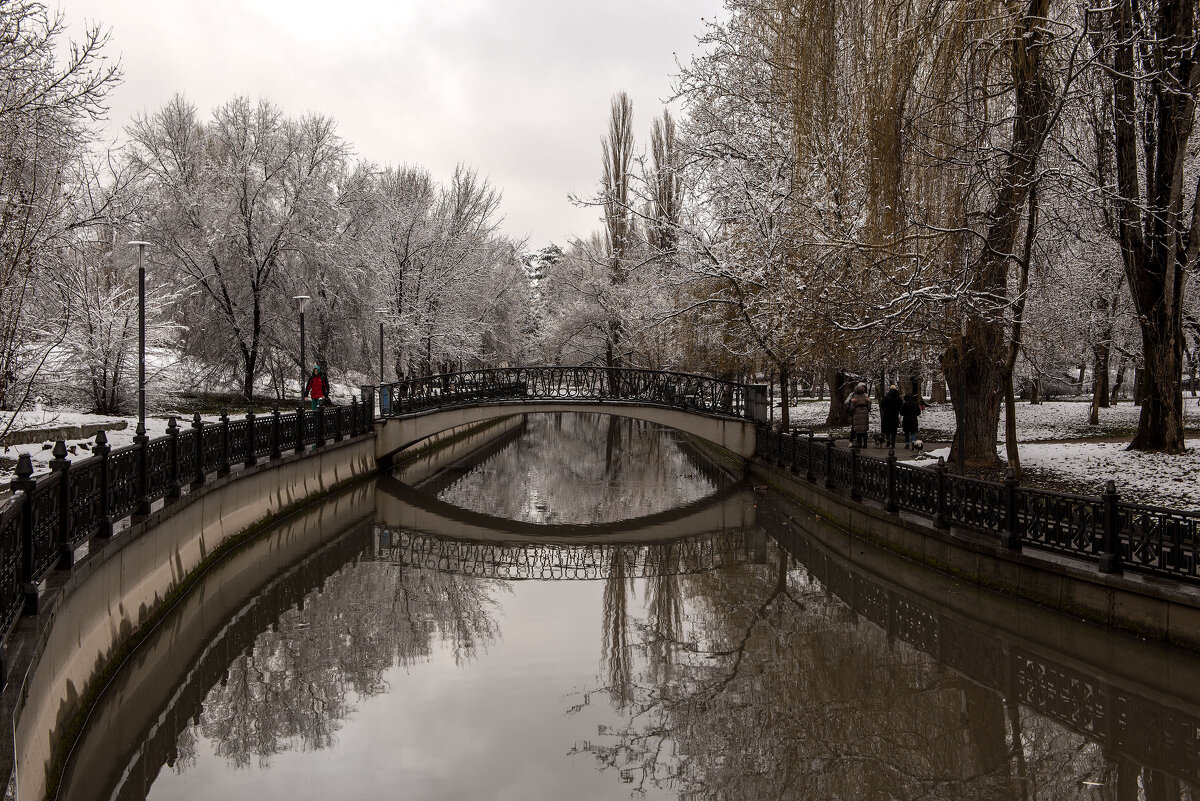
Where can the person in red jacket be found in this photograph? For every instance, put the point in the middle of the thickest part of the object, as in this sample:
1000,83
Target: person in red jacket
317,387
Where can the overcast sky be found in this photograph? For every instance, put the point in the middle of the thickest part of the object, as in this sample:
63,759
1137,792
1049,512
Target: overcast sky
518,88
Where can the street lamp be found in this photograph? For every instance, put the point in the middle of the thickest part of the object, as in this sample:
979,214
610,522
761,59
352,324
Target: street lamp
141,246
382,314
303,301
143,506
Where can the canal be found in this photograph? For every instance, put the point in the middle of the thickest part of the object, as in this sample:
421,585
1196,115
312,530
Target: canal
591,608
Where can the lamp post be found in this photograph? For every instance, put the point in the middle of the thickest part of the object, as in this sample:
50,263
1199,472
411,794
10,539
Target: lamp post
143,507
382,313
141,246
303,301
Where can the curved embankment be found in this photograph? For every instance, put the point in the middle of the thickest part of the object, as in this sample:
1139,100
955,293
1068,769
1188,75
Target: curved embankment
117,595
1144,605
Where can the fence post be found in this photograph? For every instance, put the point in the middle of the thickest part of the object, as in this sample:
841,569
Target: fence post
808,458
1110,555
101,450
320,438
337,423
198,426
300,428
275,453
174,490
795,467
1010,535
893,503
829,440
60,465
25,483
142,441
251,440
368,401
223,470
939,518
855,495
354,415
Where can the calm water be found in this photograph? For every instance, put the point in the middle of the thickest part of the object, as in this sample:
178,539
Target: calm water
542,659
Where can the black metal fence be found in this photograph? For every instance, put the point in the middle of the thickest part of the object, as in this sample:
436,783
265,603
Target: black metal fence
680,390
1106,530
49,516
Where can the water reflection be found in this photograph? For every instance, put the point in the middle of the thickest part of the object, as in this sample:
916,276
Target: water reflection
586,468
813,679
740,662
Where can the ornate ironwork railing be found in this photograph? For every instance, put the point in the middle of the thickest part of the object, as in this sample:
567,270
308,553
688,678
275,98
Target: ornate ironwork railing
49,516
569,384
1114,534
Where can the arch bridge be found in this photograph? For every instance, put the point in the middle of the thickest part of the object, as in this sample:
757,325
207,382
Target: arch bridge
722,412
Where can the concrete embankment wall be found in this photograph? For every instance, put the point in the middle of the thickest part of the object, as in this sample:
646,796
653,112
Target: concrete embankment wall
117,594
1143,605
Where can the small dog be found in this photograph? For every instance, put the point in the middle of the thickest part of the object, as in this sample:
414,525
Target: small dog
879,440
918,446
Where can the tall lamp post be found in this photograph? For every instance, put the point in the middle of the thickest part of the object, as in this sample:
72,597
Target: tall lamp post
141,246
382,314
143,506
303,301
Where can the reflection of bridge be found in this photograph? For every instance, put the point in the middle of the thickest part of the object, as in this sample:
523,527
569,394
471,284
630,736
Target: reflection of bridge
400,506
721,412
561,561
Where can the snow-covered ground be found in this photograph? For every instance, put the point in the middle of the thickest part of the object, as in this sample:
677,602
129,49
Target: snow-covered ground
1151,478
1046,421
40,452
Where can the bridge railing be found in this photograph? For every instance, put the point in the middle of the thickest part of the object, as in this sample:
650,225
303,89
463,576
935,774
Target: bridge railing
1104,530
47,517
584,384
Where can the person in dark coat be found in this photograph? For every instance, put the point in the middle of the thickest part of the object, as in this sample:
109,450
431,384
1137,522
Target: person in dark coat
910,410
889,415
859,407
317,387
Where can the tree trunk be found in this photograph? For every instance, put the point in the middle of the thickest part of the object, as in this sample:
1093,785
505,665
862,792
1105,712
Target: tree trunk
785,398
1116,387
1138,385
1158,243
937,393
837,399
1160,424
1100,353
974,361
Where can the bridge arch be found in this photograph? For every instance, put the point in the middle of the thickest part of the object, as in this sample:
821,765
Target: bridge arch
400,506
396,433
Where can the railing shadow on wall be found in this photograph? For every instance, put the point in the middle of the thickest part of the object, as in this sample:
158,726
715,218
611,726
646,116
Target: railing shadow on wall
1106,531
48,517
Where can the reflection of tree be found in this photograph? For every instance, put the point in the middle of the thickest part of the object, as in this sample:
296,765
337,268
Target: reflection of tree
293,687
776,689
584,468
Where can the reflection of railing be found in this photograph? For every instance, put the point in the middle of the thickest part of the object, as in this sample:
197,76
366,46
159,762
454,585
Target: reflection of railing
1155,735
572,384
48,517
571,562
1104,529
